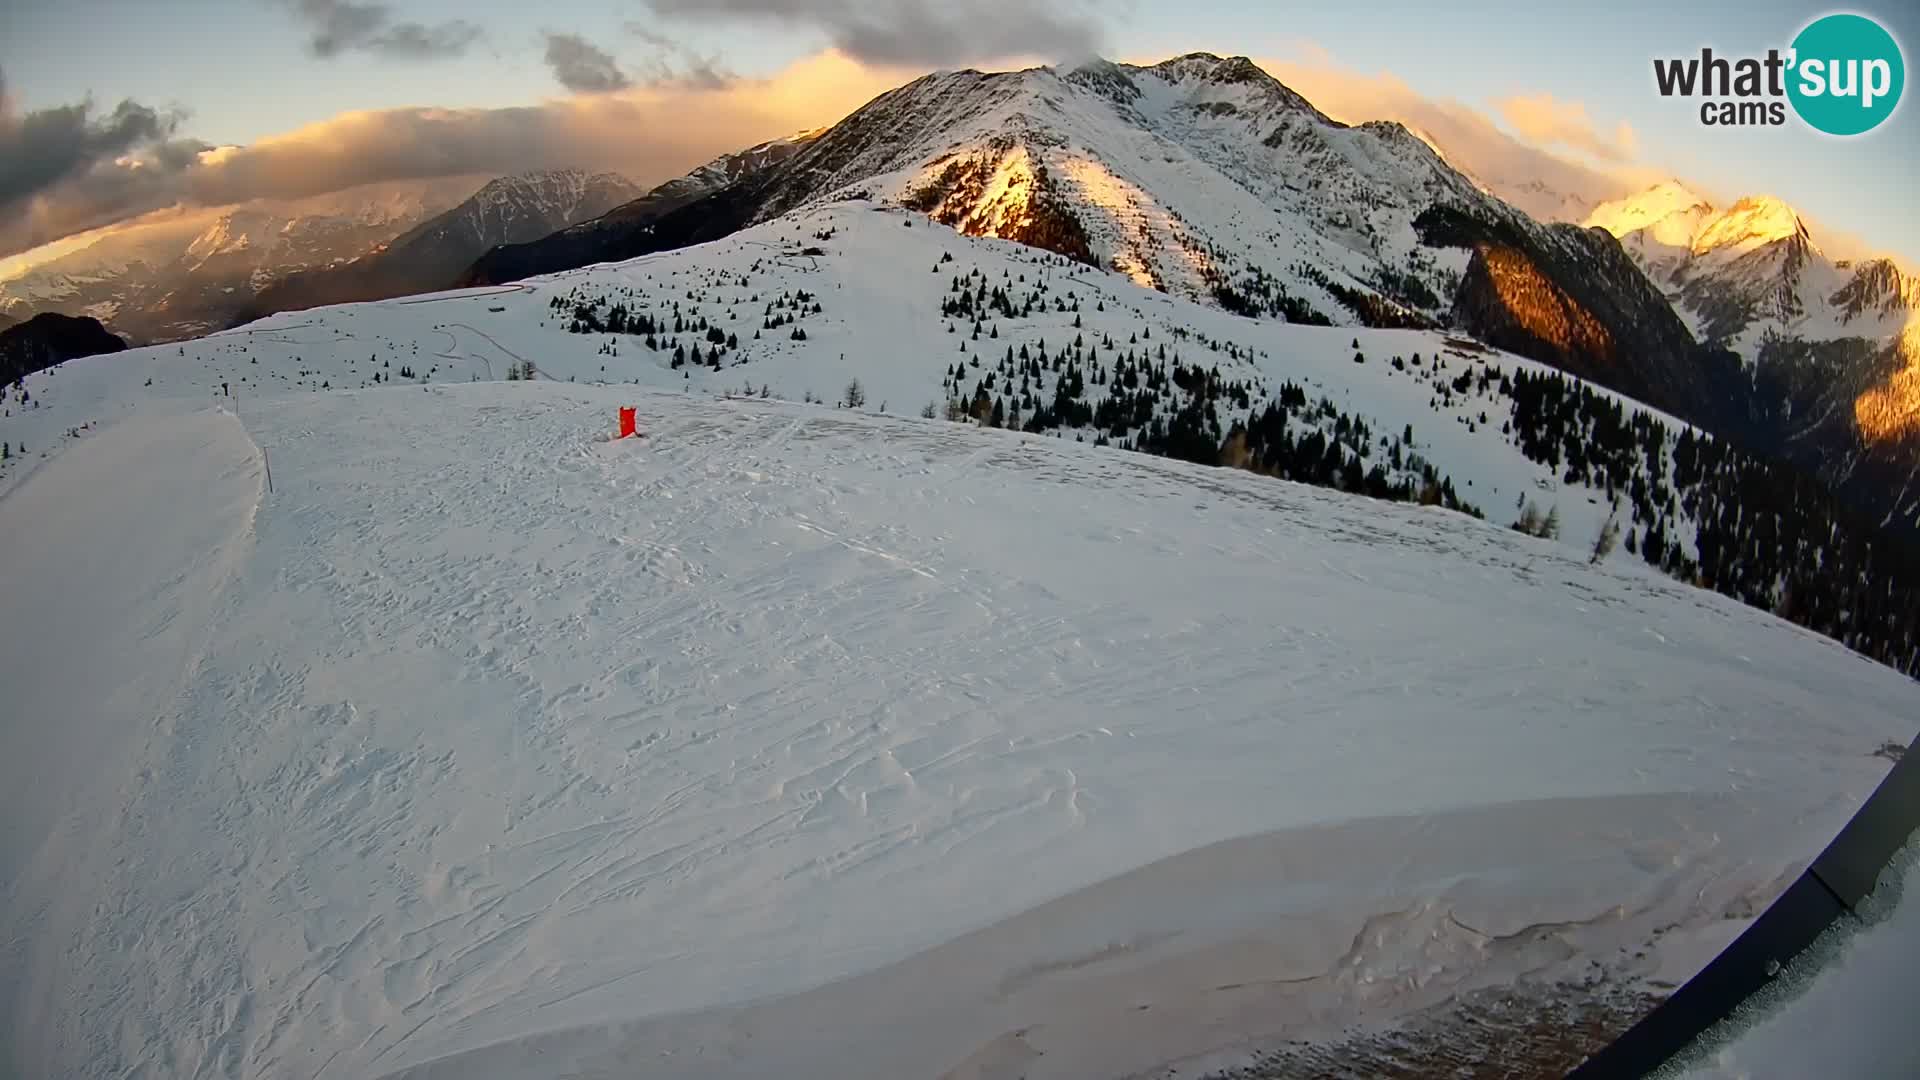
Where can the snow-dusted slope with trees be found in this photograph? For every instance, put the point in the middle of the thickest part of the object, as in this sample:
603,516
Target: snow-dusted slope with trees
1207,179
479,726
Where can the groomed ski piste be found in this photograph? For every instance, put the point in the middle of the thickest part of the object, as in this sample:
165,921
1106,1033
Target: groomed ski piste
793,739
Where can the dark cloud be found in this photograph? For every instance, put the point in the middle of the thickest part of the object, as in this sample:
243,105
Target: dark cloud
652,37
919,32
338,26
70,145
583,67
702,73
651,132
674,64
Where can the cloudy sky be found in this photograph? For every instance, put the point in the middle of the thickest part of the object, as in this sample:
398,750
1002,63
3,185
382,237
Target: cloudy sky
115,109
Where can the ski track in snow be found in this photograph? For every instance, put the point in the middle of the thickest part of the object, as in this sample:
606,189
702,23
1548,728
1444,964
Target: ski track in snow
499,727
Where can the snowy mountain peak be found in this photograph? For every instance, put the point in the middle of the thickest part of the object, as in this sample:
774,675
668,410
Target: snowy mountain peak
1749,271
1222,70
563,188
1669,211
524,181
1672,215
1202,175
221,237
1225,85
1752,222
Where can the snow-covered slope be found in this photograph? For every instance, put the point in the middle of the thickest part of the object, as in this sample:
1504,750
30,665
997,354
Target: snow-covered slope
479,726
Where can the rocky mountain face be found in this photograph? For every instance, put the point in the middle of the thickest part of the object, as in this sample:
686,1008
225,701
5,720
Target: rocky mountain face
1573,298
185,278
1828,350
48,339
431,255
625,228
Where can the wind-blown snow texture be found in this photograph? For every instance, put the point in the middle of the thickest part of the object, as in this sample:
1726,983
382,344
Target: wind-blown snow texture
481,726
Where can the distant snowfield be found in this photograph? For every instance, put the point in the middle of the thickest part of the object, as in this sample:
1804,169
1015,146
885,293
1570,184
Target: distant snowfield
484,735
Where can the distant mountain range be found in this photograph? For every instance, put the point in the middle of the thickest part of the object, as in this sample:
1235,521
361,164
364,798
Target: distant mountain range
185,278
431,255
626,226
1752,271
170,281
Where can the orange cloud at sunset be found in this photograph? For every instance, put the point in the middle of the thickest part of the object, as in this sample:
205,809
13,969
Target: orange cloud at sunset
651,133
1544,119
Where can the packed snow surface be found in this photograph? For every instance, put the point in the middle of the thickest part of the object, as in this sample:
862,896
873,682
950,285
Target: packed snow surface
481,726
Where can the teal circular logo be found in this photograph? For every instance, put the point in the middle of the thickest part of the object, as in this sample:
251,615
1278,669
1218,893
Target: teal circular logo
1847,74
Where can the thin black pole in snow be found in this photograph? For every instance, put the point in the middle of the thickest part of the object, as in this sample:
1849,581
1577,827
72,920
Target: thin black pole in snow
264,459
